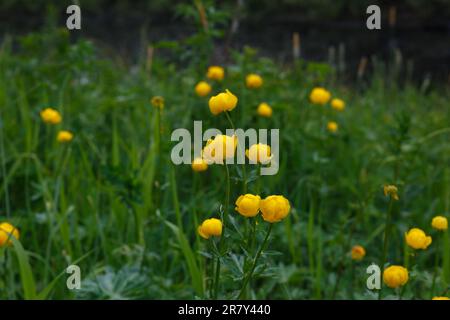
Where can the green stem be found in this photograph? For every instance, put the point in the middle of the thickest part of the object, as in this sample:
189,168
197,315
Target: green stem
386,238
436,265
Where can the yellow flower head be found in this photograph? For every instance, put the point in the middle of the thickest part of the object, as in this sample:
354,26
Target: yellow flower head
395,276
199,164
248,205
440,298
210,227
274,208
338,104
319,96
158,102
332,126
358,253
215,73
202,89
220,148
51,116
64,136
7,231
264,110
259,153
417,239
439,223
225,101
391,190
253,81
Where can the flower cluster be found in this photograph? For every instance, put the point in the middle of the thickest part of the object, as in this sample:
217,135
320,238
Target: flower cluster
273,208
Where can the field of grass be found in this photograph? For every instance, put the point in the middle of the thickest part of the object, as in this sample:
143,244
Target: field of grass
112,202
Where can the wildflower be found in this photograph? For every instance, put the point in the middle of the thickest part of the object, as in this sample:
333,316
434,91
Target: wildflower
358,253
274,208
391,190
253,81
259,153
264,110
332,126
220,148
7,231
395,276
417,239
199,164
248,205
319,96
338,104
440,298
210,227
439,223
202,89
215,73
225,101
51,116
64,136
158,102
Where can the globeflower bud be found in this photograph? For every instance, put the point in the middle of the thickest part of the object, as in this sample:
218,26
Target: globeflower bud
253,81
439,223
338,104
225,101
391,190
319,96
395,276
64,136
7,231
220,148
158,102
202,89
417,239
248,205
215,73
274,208
259,153
264,110
358,253
199,164
210,227
332,126
50,116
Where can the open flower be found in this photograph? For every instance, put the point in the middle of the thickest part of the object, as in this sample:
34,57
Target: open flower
259,153
64,136
158,102
395,276
264,110
215,73
51,116
417,239
7,231
220,148
199,164
439,223
358,253
210,227
248,205
274,208
332,126
338,104
391,190
202,89
319,96
253,81
225,101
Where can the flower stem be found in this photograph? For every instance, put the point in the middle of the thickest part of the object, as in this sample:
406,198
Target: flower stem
436,264
385,244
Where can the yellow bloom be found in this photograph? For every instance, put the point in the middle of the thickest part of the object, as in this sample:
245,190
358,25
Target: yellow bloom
440,298
199,165
220,148
225,101
264,110
319,96
358,253
274,208
64,136
7,231
417,239
50,116
338,104
259,153
253,81
332,126
439,223
202,89
158,102
210,227
395,276
215,73
391,190
248,205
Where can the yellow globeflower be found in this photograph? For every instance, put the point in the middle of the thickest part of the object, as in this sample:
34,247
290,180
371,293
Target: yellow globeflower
210,227
248,205
417,239
51,116
220,148
158,102
338,104
395,276
202,89
391,190
199,165
64,136
274,208
253,81
358,253
259,153
225,101
439,223
264,110
319,96
440,298
332,126
7,231
215,73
